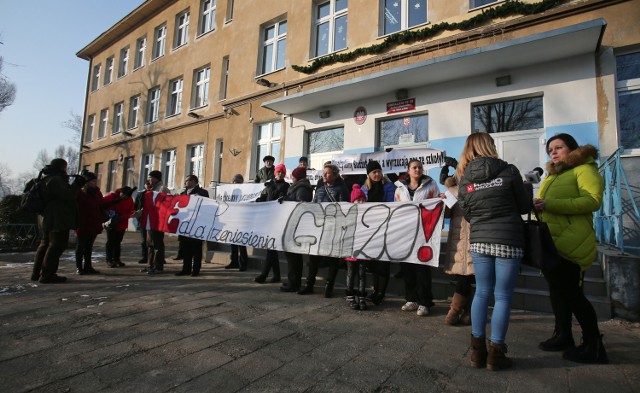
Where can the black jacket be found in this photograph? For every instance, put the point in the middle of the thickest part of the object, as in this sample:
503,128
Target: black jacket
492,196
273,189
197,190
300,191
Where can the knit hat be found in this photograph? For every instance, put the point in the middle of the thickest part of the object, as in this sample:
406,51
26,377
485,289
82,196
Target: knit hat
88,176
299,173
280,168
303,159
372,166
156,175
357,193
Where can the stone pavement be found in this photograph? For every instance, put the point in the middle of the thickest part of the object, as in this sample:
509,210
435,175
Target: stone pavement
125,331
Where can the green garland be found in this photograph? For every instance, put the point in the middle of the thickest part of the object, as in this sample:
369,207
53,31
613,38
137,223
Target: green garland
506,9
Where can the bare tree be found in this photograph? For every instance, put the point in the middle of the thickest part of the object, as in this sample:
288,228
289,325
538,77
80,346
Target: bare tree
5,180
7,90
74,123
42,160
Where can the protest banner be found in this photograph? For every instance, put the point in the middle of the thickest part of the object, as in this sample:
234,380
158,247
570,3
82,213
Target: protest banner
394,161
396,232
241,192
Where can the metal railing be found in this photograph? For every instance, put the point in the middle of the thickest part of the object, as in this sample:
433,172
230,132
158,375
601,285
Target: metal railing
18,237
608,220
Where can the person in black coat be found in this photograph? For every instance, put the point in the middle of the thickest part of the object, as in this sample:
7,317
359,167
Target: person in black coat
238,254
191,248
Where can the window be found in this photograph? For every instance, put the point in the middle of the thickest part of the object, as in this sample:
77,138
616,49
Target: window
201,90
207,16
628,89
268,142
511,115
391,130
175,97
324,141
112,176
134,111
141,51
224,78
159,36
153,104
182,29
479,3
124,62
331,27
108,75
91,124
118,118
229,16
196,154
104,118
274,47
95,80
403,14
147,166
127,174
98,172
169,168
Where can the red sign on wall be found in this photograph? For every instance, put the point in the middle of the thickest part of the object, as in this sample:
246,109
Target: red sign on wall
401,106
360,115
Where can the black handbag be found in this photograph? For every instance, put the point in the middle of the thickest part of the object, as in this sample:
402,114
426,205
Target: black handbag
539,249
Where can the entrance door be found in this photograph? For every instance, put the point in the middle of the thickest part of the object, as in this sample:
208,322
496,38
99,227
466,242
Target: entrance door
524,149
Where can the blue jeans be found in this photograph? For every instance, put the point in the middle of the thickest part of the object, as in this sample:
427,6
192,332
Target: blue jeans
494,276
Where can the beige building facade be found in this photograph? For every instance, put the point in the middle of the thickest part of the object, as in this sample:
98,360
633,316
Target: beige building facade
209,87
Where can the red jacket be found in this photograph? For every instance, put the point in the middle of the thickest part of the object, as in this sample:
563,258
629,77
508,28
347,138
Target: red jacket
90,215
123,206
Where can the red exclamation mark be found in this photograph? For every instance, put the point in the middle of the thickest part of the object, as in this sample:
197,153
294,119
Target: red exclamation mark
429,220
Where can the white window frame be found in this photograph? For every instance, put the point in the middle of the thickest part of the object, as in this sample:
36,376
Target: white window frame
224,78
269,140
182,29
134,112
207,16
473,4
128,171
153,105
196,159
123,67
169,168
201,79
95,80
146,166
626,87
91,125
229,17
98,171
331,21
108,74
404,17
159,41
141,51
104,120
274,42
118,118
174,105
112,176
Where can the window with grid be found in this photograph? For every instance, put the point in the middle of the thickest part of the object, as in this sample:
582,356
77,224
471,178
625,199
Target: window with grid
153,106
95,77
400,15
182,29
118,118
108,74
268,142
330,27
104,119
141,51
520,114
207,16
201,90
112,175
128,173
91,124
224,78
196,155
274,47
175,97
145,167
134,111
390,130
628,91
123,69
169,168
159,41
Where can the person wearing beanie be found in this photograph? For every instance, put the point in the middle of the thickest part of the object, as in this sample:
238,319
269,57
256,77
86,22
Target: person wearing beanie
266,172
273,190
89,222
357,195
191,248
355,266
238,254
155,239
120,206
303,162
300,190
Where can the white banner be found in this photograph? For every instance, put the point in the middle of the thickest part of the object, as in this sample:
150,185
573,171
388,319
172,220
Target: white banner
397,232
394,161
243,192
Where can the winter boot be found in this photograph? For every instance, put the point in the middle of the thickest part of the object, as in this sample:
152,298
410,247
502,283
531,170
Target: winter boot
328,289
497,360
455,310
478,352
590,351
560,341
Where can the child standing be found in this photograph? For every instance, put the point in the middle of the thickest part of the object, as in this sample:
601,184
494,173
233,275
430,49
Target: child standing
355,267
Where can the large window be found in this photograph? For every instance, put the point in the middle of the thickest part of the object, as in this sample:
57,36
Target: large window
118,118
169,168
274,47
112,176
330,26
108,75
509,115
196,155
123,68
159,40
145,168
153,105
268,142
325,141
95,77
104,119
413,128
207,16
175,97
134,112
141,51
229,16
403,14
201,88
182,29
480,3
127,174
628,89
91,125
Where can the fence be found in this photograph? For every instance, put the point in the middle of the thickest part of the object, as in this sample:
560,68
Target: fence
18,237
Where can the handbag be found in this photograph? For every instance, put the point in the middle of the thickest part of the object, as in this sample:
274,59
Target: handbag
539,249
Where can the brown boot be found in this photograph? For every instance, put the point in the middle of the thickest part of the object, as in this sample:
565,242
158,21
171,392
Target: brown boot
455,310
497,360
478,352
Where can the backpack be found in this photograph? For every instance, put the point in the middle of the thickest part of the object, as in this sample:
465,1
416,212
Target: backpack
32,198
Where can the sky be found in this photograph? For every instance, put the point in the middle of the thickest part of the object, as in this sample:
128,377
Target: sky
40,39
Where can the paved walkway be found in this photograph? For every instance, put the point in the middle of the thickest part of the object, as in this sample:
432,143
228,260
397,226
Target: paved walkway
125,331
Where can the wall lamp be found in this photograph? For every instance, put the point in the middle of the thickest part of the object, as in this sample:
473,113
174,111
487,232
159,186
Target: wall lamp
194,115
265,82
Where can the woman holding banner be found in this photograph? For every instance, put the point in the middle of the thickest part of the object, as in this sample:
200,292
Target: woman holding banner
417,278
492,196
